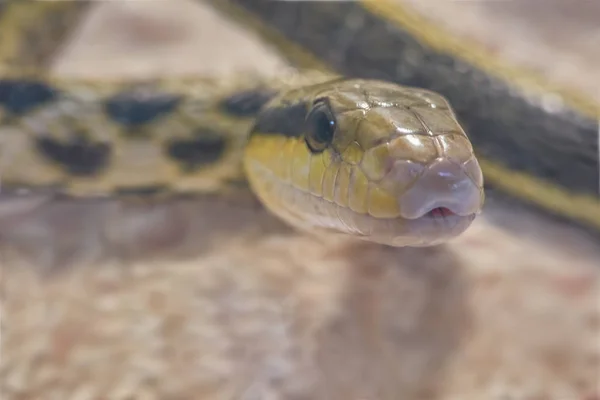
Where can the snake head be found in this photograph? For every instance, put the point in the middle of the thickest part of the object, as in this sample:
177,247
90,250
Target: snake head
375,160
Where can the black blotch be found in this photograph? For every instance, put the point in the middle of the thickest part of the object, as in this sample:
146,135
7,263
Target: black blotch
285,120
205,149
247,103
80,156
20,96
134,108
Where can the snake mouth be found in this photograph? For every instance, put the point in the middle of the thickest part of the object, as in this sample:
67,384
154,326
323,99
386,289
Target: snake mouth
434,227
439,212
443,218
434,224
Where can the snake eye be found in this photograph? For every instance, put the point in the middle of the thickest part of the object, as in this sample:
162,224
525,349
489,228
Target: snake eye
320,125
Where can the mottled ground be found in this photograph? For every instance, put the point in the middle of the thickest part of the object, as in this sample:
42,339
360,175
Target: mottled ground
215,299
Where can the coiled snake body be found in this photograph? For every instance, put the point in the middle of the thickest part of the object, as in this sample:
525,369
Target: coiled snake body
366,158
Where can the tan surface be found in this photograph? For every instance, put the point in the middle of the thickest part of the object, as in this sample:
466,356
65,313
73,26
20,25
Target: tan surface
218,300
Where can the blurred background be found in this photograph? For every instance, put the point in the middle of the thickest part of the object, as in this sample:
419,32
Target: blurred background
209,299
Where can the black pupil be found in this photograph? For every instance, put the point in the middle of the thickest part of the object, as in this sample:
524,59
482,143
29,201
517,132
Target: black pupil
323,126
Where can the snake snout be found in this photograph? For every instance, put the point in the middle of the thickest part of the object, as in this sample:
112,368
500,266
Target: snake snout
444,188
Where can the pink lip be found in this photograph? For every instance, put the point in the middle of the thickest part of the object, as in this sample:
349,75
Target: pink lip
440,212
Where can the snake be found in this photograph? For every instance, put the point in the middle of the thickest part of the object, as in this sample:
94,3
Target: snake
365,158
543,157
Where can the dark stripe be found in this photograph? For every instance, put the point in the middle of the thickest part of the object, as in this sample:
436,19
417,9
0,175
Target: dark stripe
79,157
247,103
135,108
284,120
20,96
206,148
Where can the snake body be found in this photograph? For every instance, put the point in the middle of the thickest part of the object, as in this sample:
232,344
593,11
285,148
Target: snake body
367,158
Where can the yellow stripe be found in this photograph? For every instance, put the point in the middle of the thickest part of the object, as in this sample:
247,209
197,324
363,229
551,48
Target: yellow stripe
441,40
581,208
